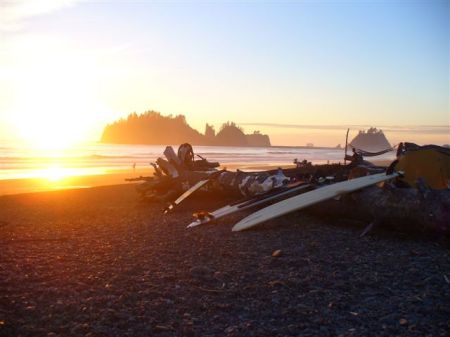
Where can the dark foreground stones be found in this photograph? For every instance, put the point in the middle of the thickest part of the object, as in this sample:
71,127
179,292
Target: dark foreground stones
99,263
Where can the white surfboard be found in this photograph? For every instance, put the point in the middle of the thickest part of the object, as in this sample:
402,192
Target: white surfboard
233,208
310,198
186,194
194,188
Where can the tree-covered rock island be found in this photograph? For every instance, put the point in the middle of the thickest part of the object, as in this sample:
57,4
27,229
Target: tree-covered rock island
155,129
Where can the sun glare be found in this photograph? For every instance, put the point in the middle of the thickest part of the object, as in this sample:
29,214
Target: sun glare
55,114
57,101
54,173
57,173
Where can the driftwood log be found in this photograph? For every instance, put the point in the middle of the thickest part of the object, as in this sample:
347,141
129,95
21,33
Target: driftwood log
400,208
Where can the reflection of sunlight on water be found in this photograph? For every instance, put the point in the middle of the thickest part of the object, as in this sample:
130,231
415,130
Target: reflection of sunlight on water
57,177
54,173
57,173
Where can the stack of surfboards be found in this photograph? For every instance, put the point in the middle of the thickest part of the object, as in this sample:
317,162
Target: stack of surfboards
302,198
206,217
310,198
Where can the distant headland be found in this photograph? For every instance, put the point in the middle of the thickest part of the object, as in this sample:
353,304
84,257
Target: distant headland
154,129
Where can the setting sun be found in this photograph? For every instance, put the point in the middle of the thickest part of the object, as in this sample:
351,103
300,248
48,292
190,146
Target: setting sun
56,101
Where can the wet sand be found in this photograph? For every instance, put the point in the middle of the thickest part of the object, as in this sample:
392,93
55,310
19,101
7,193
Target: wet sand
98,262
117,177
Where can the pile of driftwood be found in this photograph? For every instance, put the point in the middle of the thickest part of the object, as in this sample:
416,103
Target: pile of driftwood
393,203
177,173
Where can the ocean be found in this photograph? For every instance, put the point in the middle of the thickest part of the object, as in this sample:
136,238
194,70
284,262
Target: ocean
18,161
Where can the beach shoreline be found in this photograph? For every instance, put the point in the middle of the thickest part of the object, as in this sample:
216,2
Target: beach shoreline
99,262
119,177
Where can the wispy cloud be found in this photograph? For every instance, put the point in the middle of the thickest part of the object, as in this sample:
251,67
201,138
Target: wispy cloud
13,13
430,129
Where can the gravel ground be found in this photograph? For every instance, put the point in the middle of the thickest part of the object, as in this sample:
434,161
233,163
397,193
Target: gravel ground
97,262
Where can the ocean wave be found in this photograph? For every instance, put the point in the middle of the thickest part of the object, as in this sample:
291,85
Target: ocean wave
102,156
287,152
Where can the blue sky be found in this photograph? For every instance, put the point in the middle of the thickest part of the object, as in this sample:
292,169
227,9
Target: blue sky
315,63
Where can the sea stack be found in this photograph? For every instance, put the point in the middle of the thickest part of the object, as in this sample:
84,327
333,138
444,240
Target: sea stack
372,140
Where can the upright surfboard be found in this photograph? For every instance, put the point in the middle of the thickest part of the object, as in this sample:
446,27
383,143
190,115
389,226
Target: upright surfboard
237,207
310,198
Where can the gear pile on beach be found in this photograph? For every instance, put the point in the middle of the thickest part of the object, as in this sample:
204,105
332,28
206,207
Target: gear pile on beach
413,194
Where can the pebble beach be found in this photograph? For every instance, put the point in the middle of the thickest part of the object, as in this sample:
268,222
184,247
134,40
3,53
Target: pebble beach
100,262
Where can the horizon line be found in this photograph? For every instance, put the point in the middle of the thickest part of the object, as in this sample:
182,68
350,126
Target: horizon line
388,128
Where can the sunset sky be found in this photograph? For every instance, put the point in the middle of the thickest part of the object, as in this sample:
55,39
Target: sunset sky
69,67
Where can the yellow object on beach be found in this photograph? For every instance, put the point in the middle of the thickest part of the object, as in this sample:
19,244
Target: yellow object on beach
430,165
